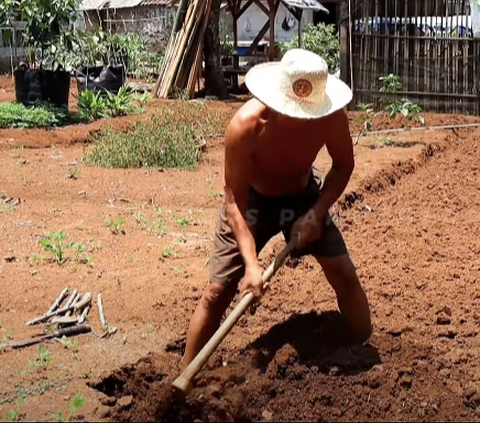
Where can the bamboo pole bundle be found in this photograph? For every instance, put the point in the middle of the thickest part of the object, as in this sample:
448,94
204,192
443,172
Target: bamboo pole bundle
183,58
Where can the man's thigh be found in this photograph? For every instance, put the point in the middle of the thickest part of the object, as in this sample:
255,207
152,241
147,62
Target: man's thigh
331,243
226,262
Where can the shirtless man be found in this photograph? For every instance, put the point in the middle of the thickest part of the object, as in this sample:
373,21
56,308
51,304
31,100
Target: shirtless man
272,186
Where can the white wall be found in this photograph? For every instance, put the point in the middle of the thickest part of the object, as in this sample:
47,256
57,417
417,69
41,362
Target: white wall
256,19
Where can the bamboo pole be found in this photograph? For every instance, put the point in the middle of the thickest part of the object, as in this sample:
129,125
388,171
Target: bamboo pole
198,61
179,52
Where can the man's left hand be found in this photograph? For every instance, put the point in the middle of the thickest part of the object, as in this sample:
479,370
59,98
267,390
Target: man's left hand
307,229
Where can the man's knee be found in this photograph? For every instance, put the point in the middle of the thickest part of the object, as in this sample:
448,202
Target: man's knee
342,275
216,297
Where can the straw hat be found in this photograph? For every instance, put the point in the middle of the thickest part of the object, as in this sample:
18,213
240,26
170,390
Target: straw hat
298,86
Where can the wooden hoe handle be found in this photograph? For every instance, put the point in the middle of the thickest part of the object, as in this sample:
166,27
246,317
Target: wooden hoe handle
183,382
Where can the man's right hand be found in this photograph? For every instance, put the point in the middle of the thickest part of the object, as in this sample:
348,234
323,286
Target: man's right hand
252,282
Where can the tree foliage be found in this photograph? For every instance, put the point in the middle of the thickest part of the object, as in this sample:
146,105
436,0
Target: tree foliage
321,39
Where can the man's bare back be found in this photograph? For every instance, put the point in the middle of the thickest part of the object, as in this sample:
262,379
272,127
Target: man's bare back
279,151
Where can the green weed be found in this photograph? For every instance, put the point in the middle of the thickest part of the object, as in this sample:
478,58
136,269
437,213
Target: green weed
155,227
171,139
77,402
44,358
14,414
73,172
169,252
53,243
182,222
116,225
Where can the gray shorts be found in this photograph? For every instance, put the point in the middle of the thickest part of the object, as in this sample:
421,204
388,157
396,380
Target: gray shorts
268,216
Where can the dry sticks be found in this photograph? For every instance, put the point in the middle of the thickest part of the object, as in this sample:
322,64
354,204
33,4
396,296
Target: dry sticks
183,58
74,312
76,302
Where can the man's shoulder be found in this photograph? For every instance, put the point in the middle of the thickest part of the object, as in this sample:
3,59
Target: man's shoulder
247,119
333,121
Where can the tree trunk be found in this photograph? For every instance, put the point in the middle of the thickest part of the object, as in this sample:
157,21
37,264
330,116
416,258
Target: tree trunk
215,84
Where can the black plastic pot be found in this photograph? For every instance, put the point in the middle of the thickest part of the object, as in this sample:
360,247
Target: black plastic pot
42,85
101,78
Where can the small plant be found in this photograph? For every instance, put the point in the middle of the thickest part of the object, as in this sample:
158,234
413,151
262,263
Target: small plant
77,402
169,252
91,106
53,243
182,222
73,172
44,358
121,104
406,108
79,249
155,227
116,225
390,84
367,109
14,414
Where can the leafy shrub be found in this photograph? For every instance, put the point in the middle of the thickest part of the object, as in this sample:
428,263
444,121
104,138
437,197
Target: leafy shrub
391,84
40,115
92,106
321,39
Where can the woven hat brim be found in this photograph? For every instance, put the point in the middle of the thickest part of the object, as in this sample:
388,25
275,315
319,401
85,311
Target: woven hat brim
264,83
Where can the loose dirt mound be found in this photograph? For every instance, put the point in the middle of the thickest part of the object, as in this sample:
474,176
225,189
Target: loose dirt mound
417,250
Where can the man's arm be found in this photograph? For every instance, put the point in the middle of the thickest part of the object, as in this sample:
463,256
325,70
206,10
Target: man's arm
340,147
238,176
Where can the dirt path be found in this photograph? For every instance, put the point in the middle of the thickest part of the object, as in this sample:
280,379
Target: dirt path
417,247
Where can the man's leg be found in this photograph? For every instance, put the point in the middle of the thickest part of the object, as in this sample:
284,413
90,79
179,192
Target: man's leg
206,319
352,301
226,271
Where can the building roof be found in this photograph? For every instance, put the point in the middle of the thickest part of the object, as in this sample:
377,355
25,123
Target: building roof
307,4
300,4
121,4
167,3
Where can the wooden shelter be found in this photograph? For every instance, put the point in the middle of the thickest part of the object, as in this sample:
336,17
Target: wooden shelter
270,7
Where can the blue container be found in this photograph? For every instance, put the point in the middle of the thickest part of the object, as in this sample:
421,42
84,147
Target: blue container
242,50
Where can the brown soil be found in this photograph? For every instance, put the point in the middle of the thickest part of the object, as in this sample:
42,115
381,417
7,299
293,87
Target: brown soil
417,248
409,216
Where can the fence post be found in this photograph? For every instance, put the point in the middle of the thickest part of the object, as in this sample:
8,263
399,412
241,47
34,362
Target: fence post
344,44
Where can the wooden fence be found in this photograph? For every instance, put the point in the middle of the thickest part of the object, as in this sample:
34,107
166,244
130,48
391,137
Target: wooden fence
428,44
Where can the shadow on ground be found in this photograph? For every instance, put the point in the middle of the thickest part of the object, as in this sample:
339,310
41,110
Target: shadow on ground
321,341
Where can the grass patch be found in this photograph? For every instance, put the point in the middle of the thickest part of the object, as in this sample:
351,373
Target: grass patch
41,115
171,139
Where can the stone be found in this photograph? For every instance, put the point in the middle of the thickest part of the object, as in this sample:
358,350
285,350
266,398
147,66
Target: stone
267,415
125,402
406,371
